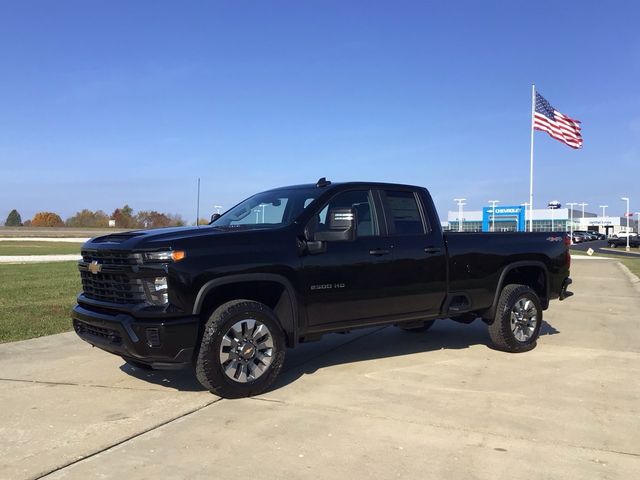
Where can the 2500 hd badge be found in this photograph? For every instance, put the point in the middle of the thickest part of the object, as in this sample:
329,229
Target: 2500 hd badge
327,286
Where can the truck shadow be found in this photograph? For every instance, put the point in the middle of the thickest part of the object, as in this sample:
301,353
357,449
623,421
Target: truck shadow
183,380
384,342
337,349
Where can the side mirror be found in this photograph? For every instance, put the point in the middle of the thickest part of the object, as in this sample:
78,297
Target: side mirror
342,226
215,216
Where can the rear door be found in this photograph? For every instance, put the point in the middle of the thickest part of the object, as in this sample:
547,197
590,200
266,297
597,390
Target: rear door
418,271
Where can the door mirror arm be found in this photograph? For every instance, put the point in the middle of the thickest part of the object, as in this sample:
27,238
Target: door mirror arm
316,246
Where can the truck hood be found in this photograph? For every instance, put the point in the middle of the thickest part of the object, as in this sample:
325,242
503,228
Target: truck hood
161,237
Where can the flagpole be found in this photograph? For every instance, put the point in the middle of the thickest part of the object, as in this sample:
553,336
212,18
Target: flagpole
533,109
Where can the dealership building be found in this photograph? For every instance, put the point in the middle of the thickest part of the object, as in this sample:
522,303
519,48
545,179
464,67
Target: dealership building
515,218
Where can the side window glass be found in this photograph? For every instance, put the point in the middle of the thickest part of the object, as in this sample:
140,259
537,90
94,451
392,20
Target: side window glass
362,202
405,213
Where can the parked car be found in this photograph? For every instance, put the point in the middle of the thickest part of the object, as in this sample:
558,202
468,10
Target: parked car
622,242
229,298
588,235
624,234
579,237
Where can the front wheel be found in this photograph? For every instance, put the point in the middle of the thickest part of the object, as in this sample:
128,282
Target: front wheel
518,319
242,349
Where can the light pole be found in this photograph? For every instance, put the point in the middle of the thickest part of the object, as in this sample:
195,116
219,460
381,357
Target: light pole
553,205
526,213
262,205
493,214
604,209
604,224
571,204
626,199
583,205
461,203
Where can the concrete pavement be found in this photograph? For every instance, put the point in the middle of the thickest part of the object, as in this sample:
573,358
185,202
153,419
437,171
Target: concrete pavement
378,403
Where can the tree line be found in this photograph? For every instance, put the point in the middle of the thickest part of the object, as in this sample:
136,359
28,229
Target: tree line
124,217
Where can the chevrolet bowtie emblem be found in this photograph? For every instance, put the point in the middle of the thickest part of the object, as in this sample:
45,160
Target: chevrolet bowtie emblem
94,267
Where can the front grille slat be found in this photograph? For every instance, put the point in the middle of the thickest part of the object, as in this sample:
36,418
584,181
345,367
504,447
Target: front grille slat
112,287
110,257
104,333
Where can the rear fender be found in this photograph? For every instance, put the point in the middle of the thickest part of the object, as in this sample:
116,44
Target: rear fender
489,314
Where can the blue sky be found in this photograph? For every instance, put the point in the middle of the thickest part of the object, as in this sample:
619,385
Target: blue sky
110,102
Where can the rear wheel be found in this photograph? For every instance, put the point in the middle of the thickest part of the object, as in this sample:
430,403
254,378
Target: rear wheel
518,319
242,349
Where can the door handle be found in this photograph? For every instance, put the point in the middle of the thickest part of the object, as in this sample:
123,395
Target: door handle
378,252
431,250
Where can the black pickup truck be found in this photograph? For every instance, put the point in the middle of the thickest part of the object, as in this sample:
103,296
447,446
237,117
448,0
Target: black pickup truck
291,264
634,241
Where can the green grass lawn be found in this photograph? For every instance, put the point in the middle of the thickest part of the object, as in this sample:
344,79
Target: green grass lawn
36,299
38,248
632,263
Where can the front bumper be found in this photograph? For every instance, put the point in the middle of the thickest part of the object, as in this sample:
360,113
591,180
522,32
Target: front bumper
159,343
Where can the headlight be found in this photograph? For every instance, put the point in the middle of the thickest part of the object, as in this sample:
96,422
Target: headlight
156,290
166,256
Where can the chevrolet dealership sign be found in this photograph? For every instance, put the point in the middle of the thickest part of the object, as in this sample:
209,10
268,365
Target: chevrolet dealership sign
503,215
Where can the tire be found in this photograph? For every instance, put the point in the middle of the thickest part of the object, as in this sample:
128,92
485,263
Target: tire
422,328
518,319
242,350
612,245
137,364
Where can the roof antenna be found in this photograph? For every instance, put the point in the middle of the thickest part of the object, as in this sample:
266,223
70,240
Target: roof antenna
323,182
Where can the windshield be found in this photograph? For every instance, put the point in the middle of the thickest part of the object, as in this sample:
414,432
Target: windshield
275,208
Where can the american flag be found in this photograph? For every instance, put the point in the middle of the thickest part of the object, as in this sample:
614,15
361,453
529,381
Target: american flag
556,124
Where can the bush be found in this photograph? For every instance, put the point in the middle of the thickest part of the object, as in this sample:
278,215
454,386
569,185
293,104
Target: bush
47,219
87,218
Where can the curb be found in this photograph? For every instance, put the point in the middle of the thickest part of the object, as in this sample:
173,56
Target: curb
633,279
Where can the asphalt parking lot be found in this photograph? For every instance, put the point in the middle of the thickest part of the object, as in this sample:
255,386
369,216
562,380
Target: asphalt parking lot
376,404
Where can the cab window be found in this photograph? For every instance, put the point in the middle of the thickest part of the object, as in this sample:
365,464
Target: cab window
404,213
362,202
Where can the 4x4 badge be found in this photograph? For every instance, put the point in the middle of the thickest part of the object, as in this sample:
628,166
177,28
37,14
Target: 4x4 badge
94,267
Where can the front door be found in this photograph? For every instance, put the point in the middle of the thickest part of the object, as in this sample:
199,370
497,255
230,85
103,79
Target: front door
349,281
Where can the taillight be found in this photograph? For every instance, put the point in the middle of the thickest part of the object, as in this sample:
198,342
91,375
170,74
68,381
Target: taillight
567,243
567,240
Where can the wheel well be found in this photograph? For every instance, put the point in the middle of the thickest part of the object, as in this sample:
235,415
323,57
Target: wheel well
273,294
531,276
